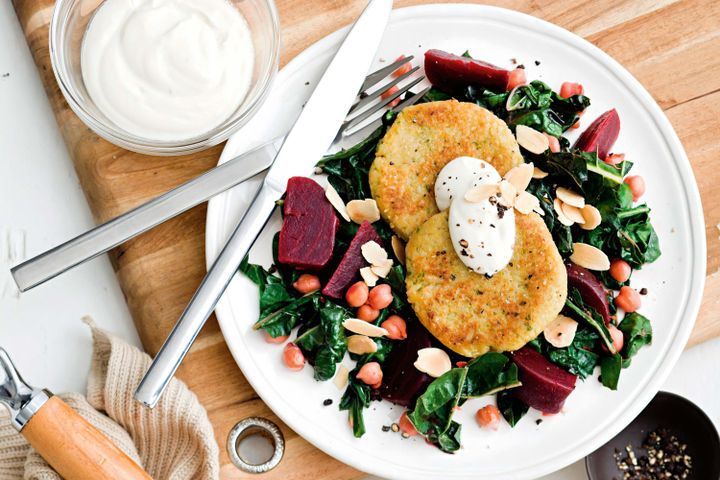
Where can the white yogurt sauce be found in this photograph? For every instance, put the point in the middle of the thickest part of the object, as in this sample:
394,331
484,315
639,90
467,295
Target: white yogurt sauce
483,233
167,70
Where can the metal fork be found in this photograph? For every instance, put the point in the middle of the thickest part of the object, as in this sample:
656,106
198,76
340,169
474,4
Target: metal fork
109,235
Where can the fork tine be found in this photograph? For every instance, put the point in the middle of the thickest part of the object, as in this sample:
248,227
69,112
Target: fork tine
370,127
376,108
359,105
378,75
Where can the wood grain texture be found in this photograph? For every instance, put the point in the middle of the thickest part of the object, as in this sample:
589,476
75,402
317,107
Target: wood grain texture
669,45
76,449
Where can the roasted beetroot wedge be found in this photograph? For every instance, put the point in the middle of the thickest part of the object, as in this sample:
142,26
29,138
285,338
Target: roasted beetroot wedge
307,236
349,267
600,135
590,288
452,73
402,382
545,386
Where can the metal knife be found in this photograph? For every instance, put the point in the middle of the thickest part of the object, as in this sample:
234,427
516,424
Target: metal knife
311,135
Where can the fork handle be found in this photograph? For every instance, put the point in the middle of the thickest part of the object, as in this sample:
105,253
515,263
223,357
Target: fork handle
104,237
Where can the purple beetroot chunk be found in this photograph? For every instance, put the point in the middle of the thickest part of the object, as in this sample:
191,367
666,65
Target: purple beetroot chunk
545,386
402,382
452,73
307,236
349,267
600,135
590,289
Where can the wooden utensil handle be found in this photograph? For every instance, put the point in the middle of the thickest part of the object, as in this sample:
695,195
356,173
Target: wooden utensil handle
76,449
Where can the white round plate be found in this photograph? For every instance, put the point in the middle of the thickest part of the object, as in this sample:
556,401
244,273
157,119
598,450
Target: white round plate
592,414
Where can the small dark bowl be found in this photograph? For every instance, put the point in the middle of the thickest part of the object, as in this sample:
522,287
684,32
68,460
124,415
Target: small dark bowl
679,415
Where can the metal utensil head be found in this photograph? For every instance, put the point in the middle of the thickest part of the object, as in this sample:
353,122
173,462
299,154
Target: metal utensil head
21,399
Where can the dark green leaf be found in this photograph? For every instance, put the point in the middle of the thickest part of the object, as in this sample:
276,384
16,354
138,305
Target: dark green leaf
511,407
489,373
355,399
579,310
610,368
637,332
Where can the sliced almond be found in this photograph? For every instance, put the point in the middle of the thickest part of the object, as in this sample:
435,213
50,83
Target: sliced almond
592,217
560,332
573,213
481,192
362,327
341,377
334,198
590,257
570,197
527,202
374,253
508,192
363,211
531,140
360,345
520,176
382,270
433,361
557,205
398,247
368,276
537,173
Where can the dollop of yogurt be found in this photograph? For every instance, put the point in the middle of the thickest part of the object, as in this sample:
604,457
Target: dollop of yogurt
482,233
167,70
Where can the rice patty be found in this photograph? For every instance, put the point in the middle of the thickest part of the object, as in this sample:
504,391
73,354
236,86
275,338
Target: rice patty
472,314
421,141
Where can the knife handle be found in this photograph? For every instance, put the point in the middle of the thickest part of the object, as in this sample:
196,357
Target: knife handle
104,237
76,449
203,302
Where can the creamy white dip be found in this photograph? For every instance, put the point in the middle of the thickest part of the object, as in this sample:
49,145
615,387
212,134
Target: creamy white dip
482,233
167,70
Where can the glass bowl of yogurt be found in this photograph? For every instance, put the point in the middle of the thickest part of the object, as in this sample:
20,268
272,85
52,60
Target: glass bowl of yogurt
164,77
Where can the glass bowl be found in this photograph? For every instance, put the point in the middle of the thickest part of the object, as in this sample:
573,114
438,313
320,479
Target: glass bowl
67,29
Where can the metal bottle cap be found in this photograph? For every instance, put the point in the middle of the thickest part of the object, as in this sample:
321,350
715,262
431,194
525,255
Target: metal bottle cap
21,399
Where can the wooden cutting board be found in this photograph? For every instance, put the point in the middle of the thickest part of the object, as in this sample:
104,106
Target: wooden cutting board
670,46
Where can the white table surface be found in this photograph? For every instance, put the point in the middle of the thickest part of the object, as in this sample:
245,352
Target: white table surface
41,198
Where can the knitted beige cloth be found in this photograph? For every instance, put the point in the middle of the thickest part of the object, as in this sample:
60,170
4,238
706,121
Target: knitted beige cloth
173,441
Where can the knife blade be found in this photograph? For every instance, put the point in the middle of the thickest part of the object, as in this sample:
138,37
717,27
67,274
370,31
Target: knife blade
310,137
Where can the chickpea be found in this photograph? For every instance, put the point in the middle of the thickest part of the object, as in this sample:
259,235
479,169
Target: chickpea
637,186
396,327
371,374
368,313
553,143
406,426
357,294
488,417
307,283
628,299
620,270
269,339
380,297
617,337
293,357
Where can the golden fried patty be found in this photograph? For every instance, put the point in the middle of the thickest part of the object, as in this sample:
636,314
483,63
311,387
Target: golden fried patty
421,141
472,314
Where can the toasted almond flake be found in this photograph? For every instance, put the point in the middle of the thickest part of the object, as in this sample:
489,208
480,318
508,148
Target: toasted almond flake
531,140
570,197
508,192
592,217
527,202
363,211
557,205
481,192
362,327
382,270
369,276
341,377
590,257
374,253
398,247
433,361
520,176
560,332
334,198
537,173
361,344
573,213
